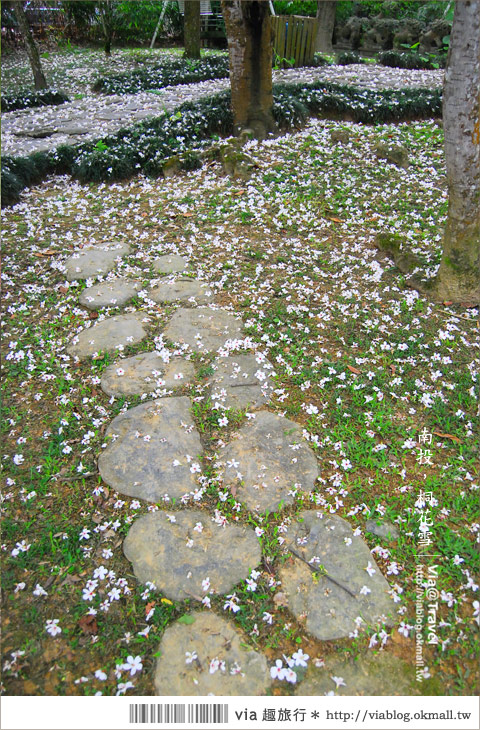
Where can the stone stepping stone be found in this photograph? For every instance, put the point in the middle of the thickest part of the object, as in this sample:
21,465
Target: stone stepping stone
109,294
108,335
146,373
154,452
240,381
203,329
179,551
208,657
266,461
94,260
182,290
170,264
385,530
370,675
329,610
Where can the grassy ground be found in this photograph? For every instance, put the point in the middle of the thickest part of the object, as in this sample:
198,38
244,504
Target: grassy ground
75,69
362,362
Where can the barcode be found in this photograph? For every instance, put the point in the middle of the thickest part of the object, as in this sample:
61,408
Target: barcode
173,713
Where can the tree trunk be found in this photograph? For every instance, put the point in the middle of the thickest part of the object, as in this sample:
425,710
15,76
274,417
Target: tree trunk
458,277
106,16
249,35
32,50
191,29
326,10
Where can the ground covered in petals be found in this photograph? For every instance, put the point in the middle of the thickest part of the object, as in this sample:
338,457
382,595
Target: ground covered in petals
382,382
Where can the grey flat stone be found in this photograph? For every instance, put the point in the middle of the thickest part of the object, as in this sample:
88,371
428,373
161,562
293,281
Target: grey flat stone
369,675
148,469
182,290
240,381
203,329
328,610
385,530
170,264
210,638
108,335
74,128
272,459
94,260
38,133
177,557
146,373
109,294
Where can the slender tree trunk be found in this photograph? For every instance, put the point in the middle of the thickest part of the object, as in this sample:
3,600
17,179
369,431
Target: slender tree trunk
326,10
458,277
32,50
191,32
249,35
106,16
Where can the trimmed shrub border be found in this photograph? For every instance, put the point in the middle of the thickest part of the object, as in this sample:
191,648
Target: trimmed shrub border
411,61
29,99
168,73
146,146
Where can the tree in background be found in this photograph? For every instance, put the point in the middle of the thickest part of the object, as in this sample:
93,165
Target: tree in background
34,57
458,278
326,11
106,10
249,36
191,32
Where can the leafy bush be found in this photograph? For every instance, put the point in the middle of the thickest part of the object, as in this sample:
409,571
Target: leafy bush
29,99
146,146
346,58
170,72
358,105
399,59
320,60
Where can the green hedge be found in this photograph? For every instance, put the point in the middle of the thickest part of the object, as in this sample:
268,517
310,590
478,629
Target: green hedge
146,146
400,59
170,72
346,58
28,99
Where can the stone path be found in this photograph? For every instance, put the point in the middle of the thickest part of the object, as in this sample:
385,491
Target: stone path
374,674
187,555
95,116
93,261
348,584
268,462
209,657
329,579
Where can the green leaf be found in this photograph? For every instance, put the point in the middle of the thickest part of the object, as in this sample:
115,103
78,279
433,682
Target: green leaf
186,619
298,640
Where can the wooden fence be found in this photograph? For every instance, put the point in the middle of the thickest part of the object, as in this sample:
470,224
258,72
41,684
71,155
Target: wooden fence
294,38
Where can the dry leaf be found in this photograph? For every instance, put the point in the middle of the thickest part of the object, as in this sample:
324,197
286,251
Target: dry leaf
447,436
88,624
93,315
335,220
354,370
149,607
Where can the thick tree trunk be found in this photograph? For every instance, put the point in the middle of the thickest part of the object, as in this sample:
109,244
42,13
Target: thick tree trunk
458,278
191,31
32,50
326,10
249,35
